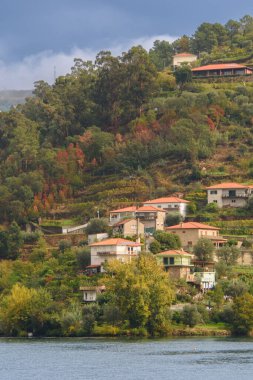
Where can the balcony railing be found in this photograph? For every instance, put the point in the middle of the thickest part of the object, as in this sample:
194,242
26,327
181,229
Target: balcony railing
104,253
235,196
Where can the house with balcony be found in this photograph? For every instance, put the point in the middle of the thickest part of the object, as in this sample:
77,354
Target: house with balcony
177,263
169,204
114,248
128,227
229,194
122,213
190,232
153,218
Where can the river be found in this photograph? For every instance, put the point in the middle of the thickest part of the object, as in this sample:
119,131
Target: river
114,359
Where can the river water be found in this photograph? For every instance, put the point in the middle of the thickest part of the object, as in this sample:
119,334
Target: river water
97,359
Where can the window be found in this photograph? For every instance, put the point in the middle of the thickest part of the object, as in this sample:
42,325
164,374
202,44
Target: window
165,261
214,201
213,192
190,243
172,260
183,232
232,193
233,201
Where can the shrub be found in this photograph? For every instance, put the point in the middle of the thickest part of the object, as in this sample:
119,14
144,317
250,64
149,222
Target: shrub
191,316
64,245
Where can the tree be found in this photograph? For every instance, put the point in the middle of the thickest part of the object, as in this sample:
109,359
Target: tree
95,226
161,54
243,314
183,75
142,292
172,219
204,249
11,242
228,254
191,316
167,240
25,310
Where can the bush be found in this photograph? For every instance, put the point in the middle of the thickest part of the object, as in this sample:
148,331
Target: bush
191,315
83,257
96,226
173,219
64,245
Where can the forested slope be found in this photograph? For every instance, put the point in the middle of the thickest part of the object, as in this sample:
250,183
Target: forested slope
122,129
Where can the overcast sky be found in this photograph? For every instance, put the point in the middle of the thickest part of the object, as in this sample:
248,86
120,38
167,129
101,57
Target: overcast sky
38,35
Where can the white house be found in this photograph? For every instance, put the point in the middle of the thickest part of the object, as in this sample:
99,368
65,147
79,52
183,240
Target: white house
122,213
169,204
229,194
181,58
90,292
114,248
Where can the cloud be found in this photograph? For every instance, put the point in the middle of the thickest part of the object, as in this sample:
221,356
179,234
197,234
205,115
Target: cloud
43,66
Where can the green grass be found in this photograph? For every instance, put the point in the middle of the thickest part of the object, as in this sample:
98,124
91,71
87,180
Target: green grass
59,222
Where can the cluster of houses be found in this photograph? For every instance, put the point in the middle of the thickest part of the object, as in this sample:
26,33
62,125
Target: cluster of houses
141,222
213,70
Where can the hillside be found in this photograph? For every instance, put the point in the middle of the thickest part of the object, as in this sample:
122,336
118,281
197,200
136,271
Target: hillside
124,129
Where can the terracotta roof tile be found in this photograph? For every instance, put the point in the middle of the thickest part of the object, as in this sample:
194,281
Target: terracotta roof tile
116,241
166,200
228,185
220,66
175,252
125,209
191,225
149,209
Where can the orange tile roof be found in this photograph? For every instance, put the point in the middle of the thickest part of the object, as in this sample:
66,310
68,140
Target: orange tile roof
220,66
116,241
126,209
167,200
174,252
149,209
191,225
228,185
184,55
123,222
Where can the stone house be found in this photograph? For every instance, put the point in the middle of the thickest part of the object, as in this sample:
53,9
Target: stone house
128,227
152,217
190,232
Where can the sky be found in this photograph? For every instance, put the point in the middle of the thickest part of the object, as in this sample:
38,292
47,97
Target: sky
39,38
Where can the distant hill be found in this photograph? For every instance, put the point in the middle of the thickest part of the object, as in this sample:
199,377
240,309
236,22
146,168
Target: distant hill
9,98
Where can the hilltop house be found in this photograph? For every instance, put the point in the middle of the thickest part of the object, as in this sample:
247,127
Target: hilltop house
177,263
128,227
191,232
181,58
221,69
169,204
152,217
229,194
115,248
122,213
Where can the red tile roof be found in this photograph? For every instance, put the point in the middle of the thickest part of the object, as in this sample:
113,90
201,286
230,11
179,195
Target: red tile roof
126,209
149,209
191,225
220,66
174,252
184,55
123,222
167,200
116,241
228,185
